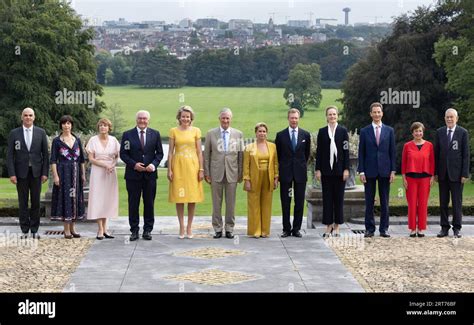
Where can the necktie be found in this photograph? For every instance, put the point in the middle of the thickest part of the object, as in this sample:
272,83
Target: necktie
293,139
450,136
377,134
142,139
28,139
224,135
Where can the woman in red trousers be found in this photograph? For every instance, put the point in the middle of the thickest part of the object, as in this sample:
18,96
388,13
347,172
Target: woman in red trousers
418,165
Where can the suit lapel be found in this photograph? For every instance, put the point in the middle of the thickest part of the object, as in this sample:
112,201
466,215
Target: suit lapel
444,138
300,138
22,138
455,137
134,137
372,134
148,139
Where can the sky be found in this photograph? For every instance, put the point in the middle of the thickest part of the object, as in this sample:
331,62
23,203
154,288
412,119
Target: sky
259,11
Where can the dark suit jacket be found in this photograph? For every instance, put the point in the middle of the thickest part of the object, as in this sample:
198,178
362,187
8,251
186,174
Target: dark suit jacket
377,160
19,158
323,152
292,165
455,159
131,152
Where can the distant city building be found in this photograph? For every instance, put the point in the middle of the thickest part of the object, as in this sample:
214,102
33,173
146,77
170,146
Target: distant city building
319,37
186,23
271,26
155,23
296,40
322,22
237,24
208,23
299,23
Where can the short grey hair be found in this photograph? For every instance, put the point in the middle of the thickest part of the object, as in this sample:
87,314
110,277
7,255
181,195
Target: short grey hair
225,110
144,112
27,109
451,110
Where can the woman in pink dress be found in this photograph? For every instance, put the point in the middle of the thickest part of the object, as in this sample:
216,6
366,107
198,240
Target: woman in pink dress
103,151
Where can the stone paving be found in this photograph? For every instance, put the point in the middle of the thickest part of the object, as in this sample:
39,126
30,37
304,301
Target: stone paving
349,263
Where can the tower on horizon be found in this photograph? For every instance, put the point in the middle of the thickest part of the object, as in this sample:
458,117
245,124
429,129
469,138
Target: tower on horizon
346,11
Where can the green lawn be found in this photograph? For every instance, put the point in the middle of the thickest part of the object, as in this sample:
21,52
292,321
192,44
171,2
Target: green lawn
249,106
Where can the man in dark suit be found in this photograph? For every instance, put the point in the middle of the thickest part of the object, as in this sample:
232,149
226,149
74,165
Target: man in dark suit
293,148
142,152
377,159
451,170
28,168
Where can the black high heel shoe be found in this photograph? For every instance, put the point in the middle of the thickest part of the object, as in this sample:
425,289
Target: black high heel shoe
106,235
75,235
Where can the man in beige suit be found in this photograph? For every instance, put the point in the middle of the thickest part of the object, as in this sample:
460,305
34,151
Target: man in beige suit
223,170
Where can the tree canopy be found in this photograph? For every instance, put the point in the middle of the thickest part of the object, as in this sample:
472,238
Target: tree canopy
45,51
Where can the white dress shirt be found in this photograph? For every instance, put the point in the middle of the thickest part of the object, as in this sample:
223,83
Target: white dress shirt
226,138
28,136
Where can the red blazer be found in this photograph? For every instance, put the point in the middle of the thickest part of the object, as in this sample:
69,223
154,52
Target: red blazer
418,161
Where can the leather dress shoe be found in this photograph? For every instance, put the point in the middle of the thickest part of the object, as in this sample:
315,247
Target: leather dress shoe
442,233
285,234
218,234
229,235
106,235
35,235
385,235
134,236
146,235
456,233
297,234
99,237
368,234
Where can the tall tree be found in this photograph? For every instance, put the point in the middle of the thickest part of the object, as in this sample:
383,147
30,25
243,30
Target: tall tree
304,86
456,56
402,63
44,51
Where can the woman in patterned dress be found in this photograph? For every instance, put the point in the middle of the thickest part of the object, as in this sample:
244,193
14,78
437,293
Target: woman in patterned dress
67,163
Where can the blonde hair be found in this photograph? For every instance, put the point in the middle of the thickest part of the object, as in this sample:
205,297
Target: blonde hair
105,121
259,125
182,109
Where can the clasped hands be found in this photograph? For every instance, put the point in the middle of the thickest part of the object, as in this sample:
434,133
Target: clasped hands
140,167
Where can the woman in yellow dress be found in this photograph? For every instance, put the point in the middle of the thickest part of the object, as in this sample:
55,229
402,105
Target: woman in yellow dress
261,178
185,168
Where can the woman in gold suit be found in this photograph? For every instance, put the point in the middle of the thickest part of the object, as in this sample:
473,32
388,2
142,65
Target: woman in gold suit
261,178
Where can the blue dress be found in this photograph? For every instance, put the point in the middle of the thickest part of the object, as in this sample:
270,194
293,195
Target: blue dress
67,203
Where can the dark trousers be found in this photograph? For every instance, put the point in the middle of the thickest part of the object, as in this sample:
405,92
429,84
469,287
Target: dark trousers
29,187
384,192
287,191
135,189
447,187
333,199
